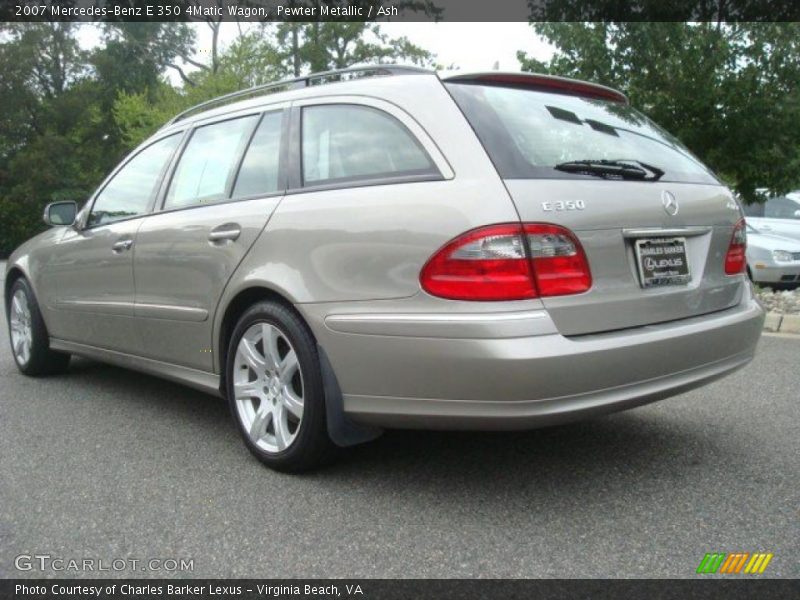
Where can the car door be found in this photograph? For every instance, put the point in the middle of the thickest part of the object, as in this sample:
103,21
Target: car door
214,204
94,259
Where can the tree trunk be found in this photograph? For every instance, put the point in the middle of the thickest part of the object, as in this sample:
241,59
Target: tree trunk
295,50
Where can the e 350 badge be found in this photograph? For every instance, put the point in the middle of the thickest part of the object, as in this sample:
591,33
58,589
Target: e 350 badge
559,205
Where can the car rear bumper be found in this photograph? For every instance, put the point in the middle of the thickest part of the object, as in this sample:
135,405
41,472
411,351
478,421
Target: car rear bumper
396,380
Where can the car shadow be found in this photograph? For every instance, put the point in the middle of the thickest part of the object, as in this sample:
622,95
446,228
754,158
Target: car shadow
581,460
629,444
143,388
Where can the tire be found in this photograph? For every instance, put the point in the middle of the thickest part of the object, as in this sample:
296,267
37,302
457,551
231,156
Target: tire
30,343
279,411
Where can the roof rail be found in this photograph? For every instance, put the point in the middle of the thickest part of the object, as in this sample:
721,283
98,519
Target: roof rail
301,82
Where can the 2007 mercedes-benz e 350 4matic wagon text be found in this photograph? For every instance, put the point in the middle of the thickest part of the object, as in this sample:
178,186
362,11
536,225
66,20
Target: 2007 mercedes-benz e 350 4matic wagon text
392,247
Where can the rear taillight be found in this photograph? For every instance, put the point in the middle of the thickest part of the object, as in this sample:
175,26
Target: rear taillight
735,259
508,262
559,263
483,264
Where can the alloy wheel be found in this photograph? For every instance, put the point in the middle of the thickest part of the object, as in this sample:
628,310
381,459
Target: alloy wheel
268,387
21,328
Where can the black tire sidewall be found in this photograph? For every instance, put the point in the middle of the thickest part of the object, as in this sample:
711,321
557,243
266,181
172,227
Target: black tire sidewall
308,448
42,360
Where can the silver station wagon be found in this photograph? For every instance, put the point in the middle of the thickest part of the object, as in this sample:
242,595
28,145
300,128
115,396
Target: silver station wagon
388,247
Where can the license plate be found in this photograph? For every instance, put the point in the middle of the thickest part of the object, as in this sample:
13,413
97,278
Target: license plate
662,261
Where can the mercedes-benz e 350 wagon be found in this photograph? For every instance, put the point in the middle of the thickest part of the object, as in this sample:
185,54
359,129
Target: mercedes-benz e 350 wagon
391,247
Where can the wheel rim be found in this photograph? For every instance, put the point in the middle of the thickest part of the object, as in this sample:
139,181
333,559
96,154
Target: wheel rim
268,387
21,332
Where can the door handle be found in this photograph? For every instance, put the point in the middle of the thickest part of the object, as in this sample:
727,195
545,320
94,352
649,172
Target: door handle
226,232
121,246
766,228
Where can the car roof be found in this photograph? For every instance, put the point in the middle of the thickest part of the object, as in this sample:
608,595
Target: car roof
360,80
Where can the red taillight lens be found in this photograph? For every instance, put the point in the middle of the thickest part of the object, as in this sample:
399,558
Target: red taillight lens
736,259
508,262
559,263
484,264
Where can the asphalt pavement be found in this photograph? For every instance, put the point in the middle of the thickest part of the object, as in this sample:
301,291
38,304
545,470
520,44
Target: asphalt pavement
103,463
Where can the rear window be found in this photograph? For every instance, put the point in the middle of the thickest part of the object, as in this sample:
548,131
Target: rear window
527,133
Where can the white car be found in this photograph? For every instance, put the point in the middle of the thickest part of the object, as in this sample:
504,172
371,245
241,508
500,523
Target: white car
772,259
779,215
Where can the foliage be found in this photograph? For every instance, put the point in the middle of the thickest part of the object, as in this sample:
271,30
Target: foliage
729,92
49,113
264,54
138,115
325,46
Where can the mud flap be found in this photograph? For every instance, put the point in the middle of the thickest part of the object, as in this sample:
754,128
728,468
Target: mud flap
342,430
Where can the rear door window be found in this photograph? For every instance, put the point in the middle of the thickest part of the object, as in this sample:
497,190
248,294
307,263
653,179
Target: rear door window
207,163
352,143
261,164
527,133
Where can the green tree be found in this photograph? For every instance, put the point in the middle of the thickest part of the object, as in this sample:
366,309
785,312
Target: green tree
134,55
335,45
47,114
139,114
251,59
728,91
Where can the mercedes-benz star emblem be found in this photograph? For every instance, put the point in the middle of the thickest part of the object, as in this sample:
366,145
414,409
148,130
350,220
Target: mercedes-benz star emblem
669,203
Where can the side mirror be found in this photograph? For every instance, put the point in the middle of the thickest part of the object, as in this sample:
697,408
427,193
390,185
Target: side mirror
797,214
60,213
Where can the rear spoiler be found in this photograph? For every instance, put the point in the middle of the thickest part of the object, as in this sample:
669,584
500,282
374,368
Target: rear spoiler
535,81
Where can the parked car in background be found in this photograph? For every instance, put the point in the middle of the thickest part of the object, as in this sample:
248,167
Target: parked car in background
390,247
779,215
773,260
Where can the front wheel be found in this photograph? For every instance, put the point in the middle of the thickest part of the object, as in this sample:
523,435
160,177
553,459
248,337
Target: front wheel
30,343
275,390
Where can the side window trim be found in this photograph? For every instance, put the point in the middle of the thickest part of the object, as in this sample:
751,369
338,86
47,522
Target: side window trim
160,179
173,165
295,183
295,175
282,158
170,169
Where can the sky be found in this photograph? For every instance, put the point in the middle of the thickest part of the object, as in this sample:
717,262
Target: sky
455,43
452,43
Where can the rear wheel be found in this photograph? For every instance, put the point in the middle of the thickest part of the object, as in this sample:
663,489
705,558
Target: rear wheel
30,343
275,391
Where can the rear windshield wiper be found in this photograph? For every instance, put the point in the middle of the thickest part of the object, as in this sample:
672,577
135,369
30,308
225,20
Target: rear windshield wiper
622,169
